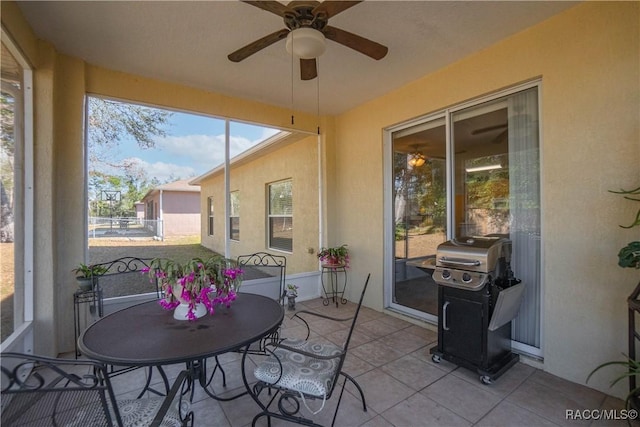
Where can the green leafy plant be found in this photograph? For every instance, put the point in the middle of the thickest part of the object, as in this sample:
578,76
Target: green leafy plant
338,255
292,290
632,369
629,256
84,271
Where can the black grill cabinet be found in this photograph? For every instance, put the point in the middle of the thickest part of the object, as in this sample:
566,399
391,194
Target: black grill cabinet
464,337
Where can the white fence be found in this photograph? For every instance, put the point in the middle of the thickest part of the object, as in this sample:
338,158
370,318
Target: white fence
125,227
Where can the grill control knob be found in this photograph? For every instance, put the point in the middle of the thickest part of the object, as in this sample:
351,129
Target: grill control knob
466,277
446,274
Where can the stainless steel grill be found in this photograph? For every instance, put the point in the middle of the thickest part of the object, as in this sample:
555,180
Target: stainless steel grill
471,262
478,297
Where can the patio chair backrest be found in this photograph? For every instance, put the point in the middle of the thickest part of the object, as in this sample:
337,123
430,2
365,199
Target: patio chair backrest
123,274
39,391
345,347
267,267
355,315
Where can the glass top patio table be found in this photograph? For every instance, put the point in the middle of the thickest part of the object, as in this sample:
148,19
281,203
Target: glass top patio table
147,335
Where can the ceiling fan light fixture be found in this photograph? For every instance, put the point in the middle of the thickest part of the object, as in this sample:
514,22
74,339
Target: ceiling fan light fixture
417,159
306,43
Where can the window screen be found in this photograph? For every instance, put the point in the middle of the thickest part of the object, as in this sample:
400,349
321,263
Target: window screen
280,221
210,216
234,215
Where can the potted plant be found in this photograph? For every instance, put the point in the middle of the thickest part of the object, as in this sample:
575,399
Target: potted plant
292,293
334,257
86,275
629,257
194,288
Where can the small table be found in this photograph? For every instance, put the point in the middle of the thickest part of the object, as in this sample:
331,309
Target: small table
93,297
148,335
332,290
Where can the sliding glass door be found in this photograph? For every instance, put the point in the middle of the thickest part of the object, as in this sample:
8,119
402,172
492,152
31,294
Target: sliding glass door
419,211
467,171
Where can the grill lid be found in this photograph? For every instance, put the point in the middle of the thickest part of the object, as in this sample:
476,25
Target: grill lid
468,262
472,253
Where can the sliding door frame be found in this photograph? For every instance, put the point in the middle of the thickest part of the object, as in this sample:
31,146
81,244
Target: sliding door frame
388,198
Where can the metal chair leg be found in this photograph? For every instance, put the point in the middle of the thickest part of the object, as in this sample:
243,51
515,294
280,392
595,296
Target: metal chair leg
355,383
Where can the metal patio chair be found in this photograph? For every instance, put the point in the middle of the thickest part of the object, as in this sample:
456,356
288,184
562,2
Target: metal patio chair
301,370
274,266
271,270
129,270
266,267
43,391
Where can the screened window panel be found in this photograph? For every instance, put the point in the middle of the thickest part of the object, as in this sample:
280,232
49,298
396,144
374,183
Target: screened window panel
210,216
234,215
281,216
16,197
281,233
234,223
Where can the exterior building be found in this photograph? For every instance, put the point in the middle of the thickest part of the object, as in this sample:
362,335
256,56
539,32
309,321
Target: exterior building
139,210
584,65
176,206
295,234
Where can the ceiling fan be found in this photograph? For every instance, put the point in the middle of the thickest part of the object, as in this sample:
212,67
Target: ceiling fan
501,137
309,20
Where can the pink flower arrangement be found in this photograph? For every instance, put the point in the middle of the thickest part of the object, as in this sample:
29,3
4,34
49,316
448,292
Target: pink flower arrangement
210,282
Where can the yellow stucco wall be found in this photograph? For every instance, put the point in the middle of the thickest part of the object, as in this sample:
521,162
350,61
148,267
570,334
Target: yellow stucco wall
588,59
297,161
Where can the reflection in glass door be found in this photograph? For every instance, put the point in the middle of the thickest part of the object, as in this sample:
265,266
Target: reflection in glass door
481,170
420,212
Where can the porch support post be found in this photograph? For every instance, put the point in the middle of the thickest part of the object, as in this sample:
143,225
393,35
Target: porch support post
227,197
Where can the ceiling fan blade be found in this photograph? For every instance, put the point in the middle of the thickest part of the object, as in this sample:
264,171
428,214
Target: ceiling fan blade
355,42
502,137
251,48
488,129
332,8
308,69
271,6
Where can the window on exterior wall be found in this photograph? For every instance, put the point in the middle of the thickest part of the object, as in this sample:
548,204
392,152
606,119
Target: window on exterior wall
210,216
16,223
280,220
234,215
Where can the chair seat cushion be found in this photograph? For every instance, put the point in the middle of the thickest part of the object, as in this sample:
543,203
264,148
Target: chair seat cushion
140,412
307,375
134,413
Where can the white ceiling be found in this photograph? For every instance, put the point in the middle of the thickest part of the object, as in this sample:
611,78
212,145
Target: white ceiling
187,42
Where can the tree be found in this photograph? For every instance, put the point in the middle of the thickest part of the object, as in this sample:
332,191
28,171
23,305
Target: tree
7,157
109,123
110,120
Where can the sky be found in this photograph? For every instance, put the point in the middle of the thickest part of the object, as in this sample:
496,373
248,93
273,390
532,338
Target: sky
194,145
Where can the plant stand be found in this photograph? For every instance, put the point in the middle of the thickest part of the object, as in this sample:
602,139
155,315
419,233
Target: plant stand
80,299
333,290
634,339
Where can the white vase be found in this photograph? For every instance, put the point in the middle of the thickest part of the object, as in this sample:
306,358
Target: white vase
181,311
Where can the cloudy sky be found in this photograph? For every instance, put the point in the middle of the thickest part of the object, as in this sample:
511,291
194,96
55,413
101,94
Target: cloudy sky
193,145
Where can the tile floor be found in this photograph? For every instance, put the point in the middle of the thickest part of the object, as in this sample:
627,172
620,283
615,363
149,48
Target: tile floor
390,359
